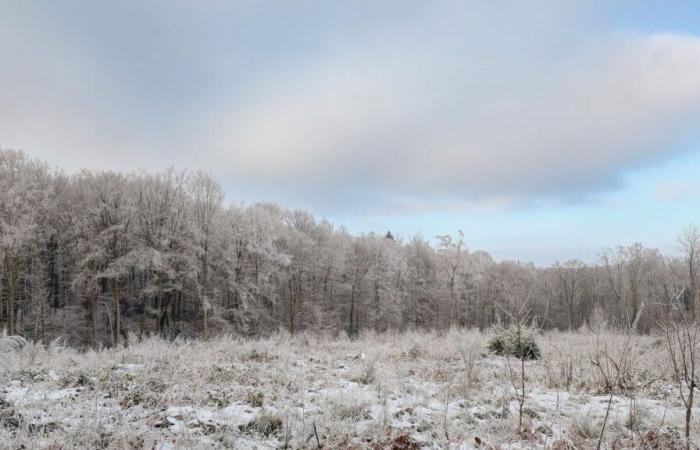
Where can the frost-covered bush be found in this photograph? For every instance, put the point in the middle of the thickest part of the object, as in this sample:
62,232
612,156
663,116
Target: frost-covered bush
368,373
10,344
265,424
506,342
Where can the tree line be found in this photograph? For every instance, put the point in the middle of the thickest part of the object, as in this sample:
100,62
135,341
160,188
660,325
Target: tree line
96,257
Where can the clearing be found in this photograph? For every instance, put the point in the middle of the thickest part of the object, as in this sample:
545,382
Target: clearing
380,391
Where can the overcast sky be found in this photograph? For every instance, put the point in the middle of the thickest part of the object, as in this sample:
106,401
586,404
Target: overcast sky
544,129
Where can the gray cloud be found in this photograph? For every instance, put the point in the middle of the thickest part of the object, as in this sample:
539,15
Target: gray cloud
572,126
403,109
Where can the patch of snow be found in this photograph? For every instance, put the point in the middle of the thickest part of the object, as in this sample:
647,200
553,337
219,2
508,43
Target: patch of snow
234,416
129,368
240,414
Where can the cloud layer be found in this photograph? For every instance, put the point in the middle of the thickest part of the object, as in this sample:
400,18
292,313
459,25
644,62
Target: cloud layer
405,108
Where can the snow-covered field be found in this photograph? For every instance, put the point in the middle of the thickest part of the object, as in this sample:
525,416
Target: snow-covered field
391,391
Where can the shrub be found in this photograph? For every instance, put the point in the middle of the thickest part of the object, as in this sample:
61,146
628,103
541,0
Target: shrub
368,374
265,424
583,427
256,398
9,344
505,342
349,407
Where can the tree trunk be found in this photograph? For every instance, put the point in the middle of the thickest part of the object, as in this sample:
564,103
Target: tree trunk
688,414
206,324
179,305
12,294
292,312
163,317
452,302
438,313
204,299
93,316
117,311
2,292
159,315
377,307
693,287
571,315
352,311
43,323
142,322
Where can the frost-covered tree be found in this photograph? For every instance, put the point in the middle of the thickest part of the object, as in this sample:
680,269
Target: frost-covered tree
689,240
569,287
23,184
453,254
96,255
206,204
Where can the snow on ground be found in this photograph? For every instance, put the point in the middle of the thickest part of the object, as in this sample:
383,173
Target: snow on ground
399,391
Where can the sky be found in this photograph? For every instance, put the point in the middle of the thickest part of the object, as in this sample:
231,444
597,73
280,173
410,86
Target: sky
545,130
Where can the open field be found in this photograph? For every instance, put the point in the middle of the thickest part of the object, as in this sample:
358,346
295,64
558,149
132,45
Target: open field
399,391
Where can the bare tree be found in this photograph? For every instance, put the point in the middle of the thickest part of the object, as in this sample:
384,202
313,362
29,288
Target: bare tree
569,278
627,270
452,253
682,339
689,240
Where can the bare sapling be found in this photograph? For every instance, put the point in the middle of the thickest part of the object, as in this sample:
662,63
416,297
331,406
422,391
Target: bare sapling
446,410
613,367
517,295
682,342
